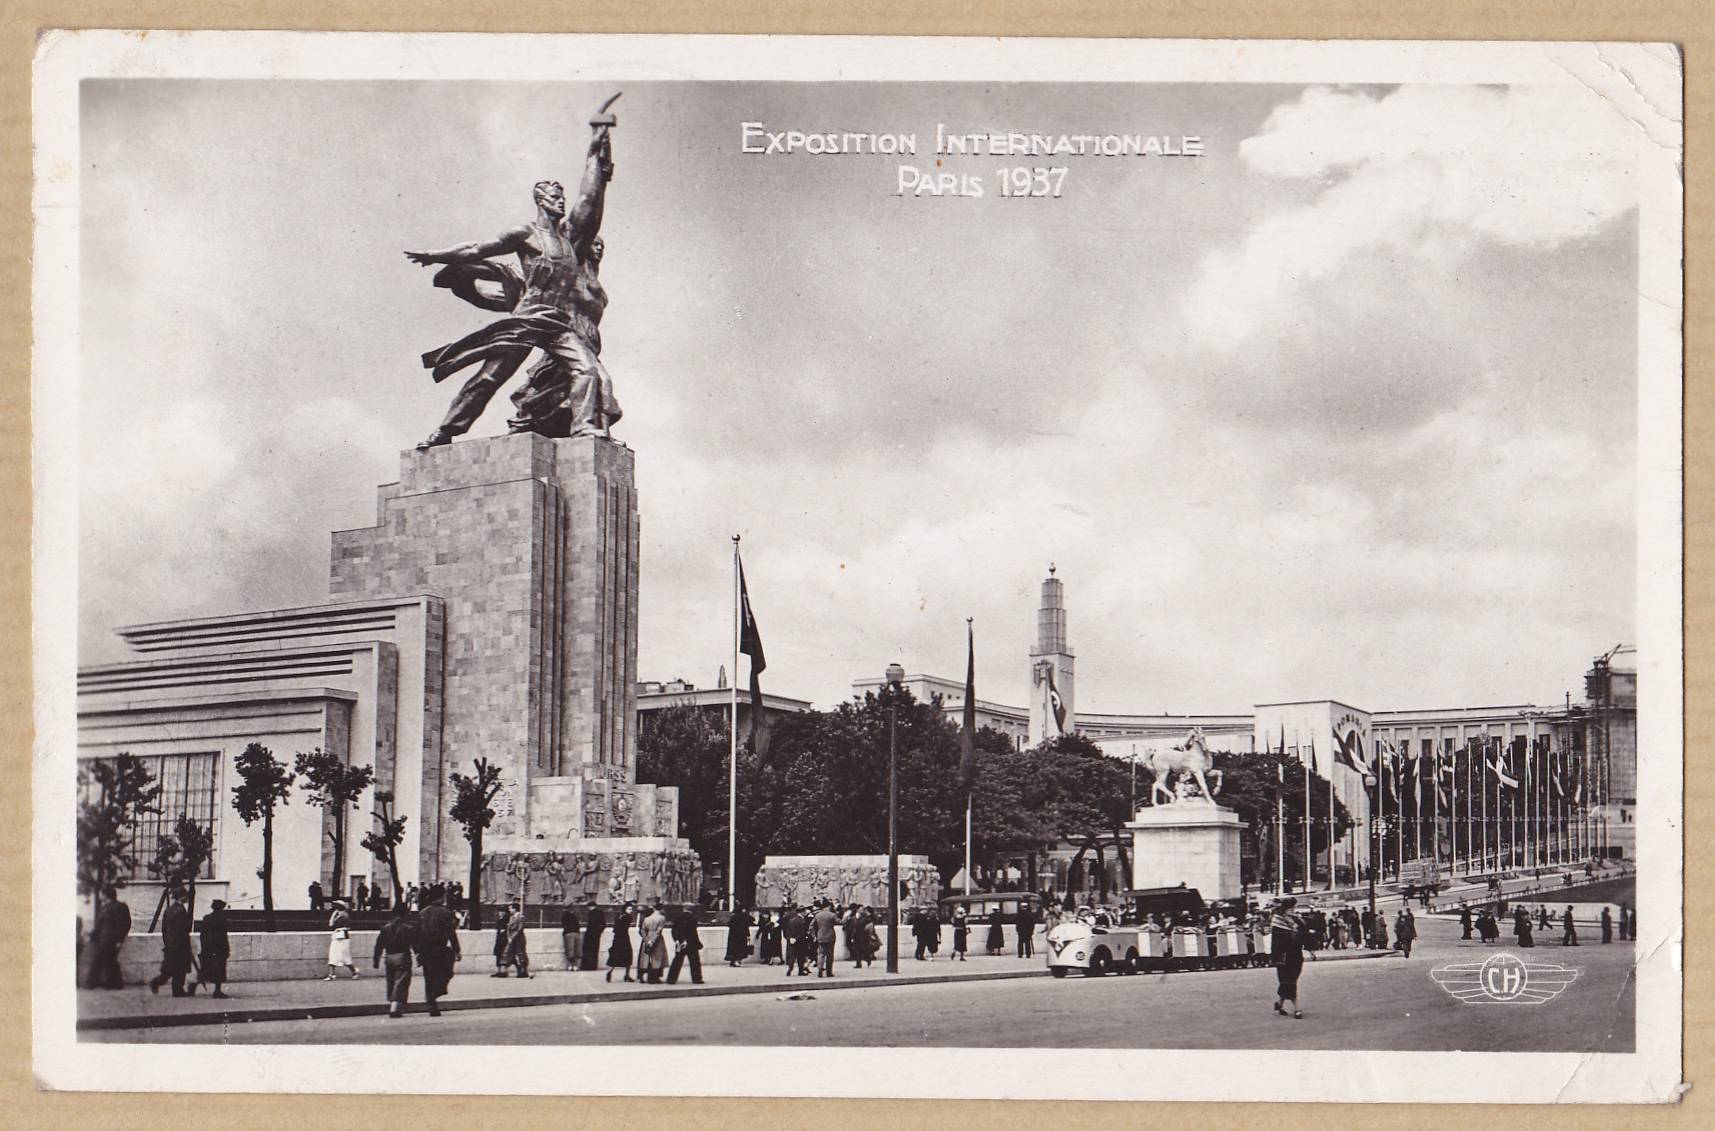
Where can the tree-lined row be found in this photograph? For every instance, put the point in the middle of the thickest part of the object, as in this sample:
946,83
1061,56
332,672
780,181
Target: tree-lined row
118,792
821,789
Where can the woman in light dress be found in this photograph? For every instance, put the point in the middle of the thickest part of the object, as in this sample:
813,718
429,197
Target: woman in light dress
339,944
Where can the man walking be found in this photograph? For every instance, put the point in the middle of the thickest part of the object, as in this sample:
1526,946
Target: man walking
1465,922
687,946
315,895
216,949
791,927
107,935
1405,931
1568,932
394,945
437,947
824,930
175,947
1607,926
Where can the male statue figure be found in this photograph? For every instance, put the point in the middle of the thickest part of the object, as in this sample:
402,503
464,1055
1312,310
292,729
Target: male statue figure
555,306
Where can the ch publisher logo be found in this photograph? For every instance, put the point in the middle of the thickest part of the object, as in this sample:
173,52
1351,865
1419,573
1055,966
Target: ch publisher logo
1504,979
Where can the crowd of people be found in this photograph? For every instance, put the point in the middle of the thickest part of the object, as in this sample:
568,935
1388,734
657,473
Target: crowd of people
1486,923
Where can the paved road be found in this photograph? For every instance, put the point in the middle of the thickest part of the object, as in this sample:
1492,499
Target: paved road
1389,1003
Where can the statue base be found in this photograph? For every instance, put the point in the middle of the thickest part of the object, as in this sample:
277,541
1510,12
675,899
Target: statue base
615,870
1194,842
845,880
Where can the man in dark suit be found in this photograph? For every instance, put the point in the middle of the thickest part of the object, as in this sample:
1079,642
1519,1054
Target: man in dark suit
595,922
394,943
107,935
175,946
437,947
1026,930
687,946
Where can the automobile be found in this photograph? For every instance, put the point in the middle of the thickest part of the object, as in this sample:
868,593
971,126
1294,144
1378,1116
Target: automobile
1080,944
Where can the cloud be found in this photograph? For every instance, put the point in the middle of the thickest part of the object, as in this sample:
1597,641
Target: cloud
1422,173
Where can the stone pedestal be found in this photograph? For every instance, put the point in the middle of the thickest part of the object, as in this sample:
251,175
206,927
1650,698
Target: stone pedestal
532,544
845,880
1192,842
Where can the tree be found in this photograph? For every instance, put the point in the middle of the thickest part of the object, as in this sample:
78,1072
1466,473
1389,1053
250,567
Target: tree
686,747
471,809
179,860
117,791
1086,796
264,784
383,841
335,785
1249,782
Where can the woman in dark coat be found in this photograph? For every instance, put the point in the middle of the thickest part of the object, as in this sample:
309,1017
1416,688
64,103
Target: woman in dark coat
997,934
768,939
738,936
619,954
595,922
216,948
1288,950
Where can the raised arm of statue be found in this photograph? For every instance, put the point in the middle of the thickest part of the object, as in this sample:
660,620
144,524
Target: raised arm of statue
585,219
505,244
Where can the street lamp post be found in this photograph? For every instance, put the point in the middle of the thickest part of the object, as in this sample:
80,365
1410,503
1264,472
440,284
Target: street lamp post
1375,829
895,678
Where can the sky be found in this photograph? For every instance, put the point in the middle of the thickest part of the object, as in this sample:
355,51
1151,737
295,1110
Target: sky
1344,408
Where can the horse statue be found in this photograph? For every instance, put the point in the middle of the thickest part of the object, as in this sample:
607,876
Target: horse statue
1190,757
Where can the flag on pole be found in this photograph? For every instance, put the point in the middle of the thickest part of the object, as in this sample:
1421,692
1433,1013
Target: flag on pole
750,644
1349,751
968,733
1497,762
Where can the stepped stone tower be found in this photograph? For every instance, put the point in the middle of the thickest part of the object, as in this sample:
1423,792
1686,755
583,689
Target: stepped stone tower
1051,667
532,544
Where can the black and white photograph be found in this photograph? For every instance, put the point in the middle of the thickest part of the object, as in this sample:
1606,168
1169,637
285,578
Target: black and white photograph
858,567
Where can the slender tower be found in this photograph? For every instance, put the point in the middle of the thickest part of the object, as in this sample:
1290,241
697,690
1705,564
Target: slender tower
1051,681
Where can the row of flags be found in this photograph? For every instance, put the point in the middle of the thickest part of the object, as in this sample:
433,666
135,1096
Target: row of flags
1541,762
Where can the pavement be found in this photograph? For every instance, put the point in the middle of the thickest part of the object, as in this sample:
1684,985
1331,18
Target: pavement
134,1007
1393,1003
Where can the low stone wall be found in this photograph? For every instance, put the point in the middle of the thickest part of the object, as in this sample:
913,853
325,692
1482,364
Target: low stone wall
285,955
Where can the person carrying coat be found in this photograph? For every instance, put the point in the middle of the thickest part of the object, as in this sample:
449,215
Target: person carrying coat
1286,944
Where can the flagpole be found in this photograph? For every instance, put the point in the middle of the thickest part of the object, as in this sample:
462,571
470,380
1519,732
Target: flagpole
1279,827
1331,765
1300,752
732,749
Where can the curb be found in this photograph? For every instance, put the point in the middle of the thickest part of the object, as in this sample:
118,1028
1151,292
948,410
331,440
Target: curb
378,1009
